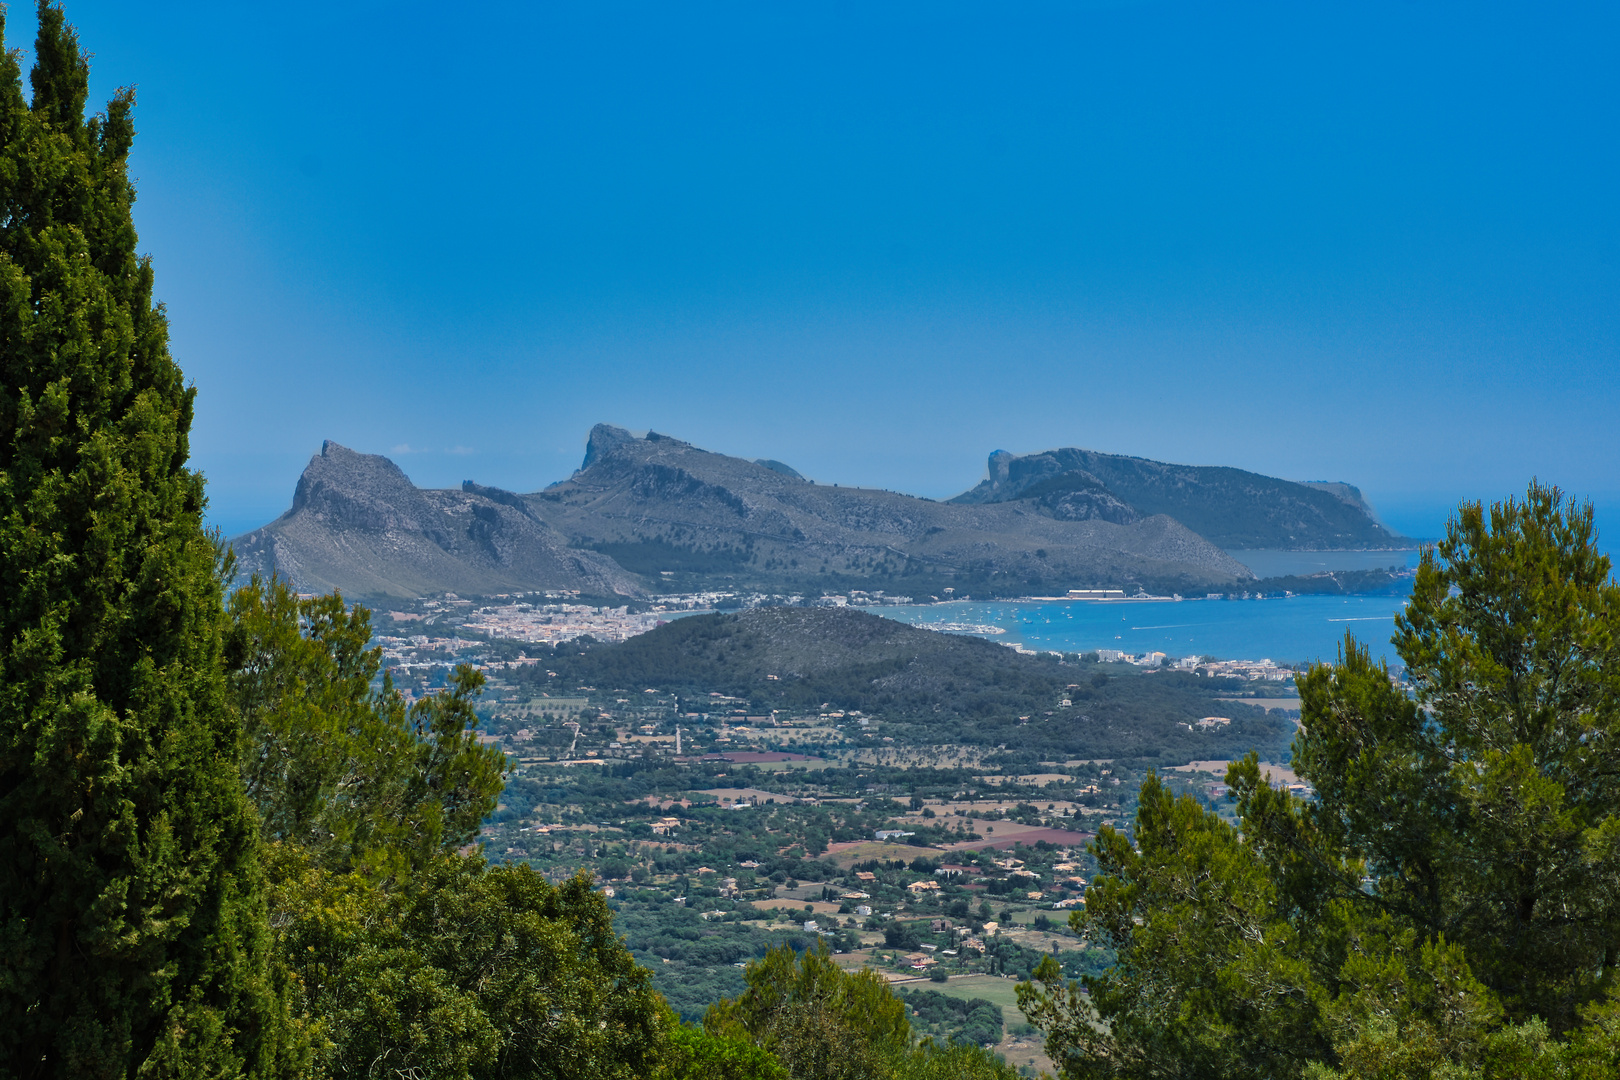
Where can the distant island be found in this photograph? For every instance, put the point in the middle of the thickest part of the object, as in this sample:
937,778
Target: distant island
648,514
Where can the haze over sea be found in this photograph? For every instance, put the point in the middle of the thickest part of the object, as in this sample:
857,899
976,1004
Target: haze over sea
1287,629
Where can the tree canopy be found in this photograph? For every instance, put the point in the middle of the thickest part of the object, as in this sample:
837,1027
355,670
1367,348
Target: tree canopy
821,1022
1447,899
131,911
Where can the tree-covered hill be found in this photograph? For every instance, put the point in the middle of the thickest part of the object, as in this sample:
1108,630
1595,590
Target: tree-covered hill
925,686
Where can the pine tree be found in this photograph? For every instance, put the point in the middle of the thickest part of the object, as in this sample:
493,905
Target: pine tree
1445,904
132,922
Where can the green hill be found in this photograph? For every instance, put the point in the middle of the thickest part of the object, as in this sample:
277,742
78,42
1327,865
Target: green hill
925,687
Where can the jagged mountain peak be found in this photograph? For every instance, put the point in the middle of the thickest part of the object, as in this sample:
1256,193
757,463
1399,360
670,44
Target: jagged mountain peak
667,509
650,510
357,524
339,481
602,440
605,439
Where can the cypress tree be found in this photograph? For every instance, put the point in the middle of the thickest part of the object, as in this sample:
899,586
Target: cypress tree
132,925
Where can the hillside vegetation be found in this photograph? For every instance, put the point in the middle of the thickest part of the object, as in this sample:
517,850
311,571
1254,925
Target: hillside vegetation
927,687
1231,508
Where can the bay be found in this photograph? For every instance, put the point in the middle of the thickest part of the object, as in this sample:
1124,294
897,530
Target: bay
1284,629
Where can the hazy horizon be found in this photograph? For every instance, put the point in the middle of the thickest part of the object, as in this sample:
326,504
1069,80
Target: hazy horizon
1414,521
1374,244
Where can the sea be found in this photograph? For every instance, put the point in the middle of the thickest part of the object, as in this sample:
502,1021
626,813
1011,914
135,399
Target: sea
1283,629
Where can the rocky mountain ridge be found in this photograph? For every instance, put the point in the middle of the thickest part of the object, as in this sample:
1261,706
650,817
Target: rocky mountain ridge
1231,508
659,506
358,525
653,513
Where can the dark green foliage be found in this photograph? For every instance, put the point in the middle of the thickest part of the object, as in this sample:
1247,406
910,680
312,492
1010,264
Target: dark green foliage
406,957
971,1020
697,1055
691,958
131,917
820,1021
1211,982
469,972
824,1023
347,772
1445,905
1512,642
954,1061
902,936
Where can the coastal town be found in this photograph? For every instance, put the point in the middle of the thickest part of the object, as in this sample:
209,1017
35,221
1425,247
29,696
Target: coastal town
437,632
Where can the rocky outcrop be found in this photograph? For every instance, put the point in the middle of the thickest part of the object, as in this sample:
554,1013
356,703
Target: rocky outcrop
648,511
1079,496
601,441
359,526
1232,508
660,505
1348,494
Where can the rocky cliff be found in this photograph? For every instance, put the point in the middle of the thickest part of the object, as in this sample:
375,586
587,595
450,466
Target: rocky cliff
661,507
1231,508
651,511
358,525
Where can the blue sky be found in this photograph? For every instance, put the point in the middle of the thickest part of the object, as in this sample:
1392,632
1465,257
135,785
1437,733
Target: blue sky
1370,242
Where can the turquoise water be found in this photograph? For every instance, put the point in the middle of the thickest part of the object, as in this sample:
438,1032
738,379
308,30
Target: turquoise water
1285,629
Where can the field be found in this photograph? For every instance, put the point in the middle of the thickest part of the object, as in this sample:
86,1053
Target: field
848,854
993,988
811,764
1019,1050
1273,772
1002,835
793,904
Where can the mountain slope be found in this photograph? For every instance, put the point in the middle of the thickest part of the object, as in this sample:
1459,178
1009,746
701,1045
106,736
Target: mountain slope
358,525
653,512
657,504
1231,508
